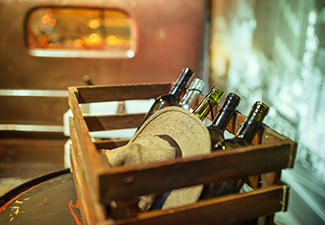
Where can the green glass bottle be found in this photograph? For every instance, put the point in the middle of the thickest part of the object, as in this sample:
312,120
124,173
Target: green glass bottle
174,95
244,137
207,104
248,129
191,94
223,117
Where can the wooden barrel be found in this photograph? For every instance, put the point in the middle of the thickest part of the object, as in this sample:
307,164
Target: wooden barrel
47,199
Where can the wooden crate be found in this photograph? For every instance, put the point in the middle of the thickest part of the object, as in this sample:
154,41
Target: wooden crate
97,184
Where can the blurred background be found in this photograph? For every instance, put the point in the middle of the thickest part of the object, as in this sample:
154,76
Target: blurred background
272,51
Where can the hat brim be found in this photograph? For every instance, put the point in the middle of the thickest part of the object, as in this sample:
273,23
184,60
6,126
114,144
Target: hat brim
190,134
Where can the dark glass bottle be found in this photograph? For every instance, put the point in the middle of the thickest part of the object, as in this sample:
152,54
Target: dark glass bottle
208,103
223,117
191,94
174,95
244,137
201,112
248,129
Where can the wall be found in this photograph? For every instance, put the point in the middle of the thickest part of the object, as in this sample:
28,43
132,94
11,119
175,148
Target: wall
275,53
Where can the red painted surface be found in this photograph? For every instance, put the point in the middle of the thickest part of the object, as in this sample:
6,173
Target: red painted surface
13,199
73,214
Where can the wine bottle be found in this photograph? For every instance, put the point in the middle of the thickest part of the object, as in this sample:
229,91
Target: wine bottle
248,129
191,94
207,104
223,117
244,137
201,111
174,95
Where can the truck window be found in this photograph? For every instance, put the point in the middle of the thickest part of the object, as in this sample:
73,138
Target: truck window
80,32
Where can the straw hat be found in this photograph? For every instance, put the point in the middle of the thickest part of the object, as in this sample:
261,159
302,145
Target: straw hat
171,132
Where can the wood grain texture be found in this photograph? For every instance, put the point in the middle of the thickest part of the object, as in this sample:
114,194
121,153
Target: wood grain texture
91,211
114,122
79,135
270,153
85,203
110,144
223,210
98,93
129,181
30,154
33,110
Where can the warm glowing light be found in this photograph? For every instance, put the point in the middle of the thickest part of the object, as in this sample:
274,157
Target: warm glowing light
130,54
59,32
93,24
112,40
43,40
107,32
52,22
93,37
49,11
78,43
45,19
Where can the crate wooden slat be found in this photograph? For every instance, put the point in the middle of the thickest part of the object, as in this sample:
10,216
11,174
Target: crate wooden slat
223,210
92,211
113,122
97,184
183,172
98,93
110,144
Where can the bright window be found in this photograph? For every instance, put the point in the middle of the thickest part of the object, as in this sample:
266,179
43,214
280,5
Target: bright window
80,32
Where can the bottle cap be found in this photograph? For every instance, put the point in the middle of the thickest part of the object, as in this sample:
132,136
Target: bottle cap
216,93
197,84
260,106
233,97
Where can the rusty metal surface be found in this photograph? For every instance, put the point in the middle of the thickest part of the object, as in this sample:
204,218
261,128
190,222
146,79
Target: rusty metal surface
169,39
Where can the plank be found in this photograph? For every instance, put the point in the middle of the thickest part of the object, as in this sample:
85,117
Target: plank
114,122
92,211
82,192
222,210
116,183
91,165
105,93
33,110
82,136
25,155
14,134
110,144
28,170
88,204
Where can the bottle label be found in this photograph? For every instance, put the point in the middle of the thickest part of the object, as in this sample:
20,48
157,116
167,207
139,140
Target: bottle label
245,188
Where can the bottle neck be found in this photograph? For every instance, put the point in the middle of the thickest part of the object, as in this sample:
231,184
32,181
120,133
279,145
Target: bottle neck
189,99
226,112
253,122
192,94
208,103
180,86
